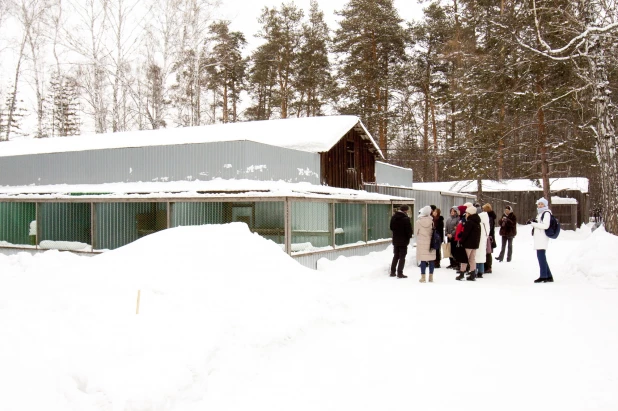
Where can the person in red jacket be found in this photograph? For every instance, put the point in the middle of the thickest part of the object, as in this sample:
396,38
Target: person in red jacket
470,239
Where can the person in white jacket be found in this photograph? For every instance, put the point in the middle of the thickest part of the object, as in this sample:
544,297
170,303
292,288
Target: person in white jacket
481,252
540,224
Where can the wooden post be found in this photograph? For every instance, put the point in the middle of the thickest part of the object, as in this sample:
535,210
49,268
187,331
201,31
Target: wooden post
137,306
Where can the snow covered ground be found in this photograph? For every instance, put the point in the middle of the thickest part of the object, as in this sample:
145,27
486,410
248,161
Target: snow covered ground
227,321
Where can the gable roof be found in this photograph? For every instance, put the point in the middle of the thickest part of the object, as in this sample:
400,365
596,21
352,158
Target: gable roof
311,134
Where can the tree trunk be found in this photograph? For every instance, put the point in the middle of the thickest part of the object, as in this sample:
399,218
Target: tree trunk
542,139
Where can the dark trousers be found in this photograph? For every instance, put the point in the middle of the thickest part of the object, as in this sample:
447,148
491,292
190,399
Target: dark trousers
488,258
510,248
399,258
542,257
438,255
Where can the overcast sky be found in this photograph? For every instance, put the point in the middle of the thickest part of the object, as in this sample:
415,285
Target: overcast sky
244,13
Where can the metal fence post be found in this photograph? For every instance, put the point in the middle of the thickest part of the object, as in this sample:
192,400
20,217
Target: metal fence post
365,225
287,226
332,224
93,227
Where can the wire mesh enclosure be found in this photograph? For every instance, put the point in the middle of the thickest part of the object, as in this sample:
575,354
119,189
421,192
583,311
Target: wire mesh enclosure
298,225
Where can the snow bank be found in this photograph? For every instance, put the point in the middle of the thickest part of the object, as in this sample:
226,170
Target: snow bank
215,300
595,258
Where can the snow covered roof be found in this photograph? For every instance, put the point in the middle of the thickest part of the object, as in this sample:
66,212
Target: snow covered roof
312,134
190,189
563,200
470,186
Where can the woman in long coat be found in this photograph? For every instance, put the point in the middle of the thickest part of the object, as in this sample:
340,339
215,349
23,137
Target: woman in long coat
423,230
470,239
481,252
457,249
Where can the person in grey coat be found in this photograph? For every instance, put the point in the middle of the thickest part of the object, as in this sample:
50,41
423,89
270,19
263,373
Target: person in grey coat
450,226
401,227
423,231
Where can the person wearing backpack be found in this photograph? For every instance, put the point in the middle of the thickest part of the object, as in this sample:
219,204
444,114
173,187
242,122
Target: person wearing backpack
541,240
423,231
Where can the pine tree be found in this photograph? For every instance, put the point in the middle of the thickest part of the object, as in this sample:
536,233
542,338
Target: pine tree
370,43
227,68
64,110
314,83
12,114
278,56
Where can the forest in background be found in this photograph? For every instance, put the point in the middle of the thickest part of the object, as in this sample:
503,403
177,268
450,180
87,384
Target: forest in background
474,89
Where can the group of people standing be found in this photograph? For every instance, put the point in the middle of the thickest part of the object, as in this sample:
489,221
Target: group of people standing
470,231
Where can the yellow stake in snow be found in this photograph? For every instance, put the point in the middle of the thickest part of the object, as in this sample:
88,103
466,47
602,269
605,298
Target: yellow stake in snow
137,308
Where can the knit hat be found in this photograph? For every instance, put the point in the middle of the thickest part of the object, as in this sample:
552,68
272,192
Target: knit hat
462,209
471,210
468,204
487,207
544,201
454,208
425,211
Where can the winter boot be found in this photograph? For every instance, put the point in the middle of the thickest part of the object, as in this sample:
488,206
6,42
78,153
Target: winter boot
431,278
460,276
422,280
479,275
393,275
402,276
472,276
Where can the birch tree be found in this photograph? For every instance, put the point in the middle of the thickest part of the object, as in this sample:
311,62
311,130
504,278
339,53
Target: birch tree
590,54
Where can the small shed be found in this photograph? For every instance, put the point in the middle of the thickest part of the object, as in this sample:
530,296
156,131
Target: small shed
565,210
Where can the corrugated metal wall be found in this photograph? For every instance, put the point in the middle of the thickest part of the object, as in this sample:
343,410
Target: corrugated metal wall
15,219
311,260
422,198
392,175
203,161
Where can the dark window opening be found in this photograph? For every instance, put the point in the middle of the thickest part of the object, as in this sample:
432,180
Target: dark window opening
350,154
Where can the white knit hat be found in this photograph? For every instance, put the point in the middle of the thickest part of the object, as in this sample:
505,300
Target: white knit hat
471,210
425,211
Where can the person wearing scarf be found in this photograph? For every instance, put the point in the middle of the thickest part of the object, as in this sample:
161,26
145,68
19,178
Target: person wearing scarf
541,241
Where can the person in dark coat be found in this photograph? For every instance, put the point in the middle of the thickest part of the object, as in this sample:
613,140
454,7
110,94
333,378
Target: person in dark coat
438,224
492,232
508,231
402,232
457,249
470,239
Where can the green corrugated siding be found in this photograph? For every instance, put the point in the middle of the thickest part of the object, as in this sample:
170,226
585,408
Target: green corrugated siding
65,222
184,214
15,221
350,218
310,223
378,220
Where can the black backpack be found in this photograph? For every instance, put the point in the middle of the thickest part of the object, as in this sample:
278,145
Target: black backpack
436,241
554,226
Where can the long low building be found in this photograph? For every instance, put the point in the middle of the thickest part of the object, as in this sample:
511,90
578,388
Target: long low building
293,181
